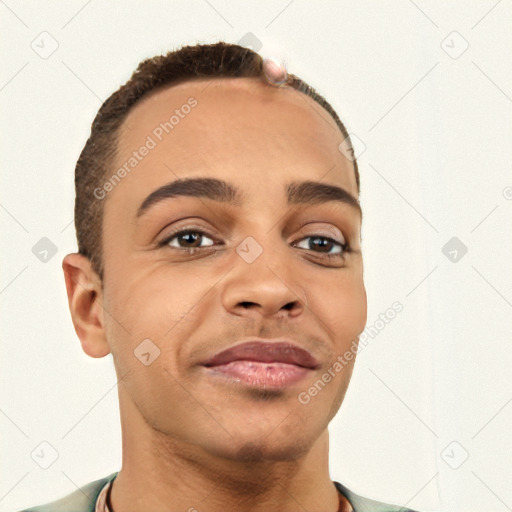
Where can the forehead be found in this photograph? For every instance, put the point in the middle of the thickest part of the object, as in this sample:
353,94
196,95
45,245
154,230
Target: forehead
240,130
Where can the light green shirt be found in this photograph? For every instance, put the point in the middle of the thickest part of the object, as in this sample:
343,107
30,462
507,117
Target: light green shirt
91,498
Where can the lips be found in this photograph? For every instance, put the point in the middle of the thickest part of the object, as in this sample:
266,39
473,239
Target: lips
265,352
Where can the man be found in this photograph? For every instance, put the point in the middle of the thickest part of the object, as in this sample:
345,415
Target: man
219,261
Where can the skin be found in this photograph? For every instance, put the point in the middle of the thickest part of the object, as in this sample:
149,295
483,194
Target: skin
189,439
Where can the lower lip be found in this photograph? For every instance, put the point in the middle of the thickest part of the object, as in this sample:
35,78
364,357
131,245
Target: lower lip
263,375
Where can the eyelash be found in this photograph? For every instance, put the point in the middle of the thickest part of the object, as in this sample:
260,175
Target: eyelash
346,249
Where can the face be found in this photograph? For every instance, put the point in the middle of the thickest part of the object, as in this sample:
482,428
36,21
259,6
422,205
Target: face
264,265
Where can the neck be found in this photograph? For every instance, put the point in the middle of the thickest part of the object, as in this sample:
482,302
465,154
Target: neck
161,473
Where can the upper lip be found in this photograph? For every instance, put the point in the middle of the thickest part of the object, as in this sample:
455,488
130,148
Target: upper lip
282,351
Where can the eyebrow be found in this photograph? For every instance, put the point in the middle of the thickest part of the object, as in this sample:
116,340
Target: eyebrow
297,193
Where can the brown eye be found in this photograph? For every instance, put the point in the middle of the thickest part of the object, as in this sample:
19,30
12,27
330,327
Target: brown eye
187,239
324,245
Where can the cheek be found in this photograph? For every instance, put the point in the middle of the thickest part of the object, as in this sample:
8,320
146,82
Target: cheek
149,304
352,309
340,303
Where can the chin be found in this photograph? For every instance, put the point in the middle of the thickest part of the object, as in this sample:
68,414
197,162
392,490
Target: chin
254,450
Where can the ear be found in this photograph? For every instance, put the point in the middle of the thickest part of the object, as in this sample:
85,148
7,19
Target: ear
85,301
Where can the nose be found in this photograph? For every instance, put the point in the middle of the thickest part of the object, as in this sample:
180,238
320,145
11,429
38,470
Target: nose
267,287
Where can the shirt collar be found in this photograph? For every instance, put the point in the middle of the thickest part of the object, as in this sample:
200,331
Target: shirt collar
101,502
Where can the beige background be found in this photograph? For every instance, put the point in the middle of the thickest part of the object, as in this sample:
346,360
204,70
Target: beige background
434,120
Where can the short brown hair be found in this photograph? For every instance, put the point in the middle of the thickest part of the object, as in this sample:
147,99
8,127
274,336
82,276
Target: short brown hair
188,63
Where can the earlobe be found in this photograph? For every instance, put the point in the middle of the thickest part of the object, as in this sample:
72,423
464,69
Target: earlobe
85,300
